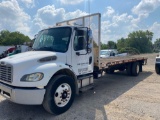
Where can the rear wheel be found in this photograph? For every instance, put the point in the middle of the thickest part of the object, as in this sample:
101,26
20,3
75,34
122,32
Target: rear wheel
157,69
59,95
135,69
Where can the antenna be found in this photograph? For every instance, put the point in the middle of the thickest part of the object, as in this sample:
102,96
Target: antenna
89,12
89,6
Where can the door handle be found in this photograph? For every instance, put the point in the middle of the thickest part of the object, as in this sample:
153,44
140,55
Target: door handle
90,60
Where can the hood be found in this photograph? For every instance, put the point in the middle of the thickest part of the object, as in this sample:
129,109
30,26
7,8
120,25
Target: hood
31,56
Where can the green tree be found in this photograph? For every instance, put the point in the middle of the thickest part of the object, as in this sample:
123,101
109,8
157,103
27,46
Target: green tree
111,45
129,50
103,46
156,46
12,38
121,43
3,35
141,40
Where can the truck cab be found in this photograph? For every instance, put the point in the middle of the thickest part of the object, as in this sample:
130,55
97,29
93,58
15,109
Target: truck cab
70,46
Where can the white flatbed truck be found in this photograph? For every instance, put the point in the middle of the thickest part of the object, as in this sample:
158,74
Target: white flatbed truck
65,60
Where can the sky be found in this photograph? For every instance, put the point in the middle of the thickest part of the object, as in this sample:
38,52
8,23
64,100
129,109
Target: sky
118,17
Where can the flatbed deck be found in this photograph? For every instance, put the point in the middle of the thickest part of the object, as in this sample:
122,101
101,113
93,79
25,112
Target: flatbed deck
112,61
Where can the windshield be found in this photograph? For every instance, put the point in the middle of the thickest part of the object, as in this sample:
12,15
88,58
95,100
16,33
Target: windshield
53,39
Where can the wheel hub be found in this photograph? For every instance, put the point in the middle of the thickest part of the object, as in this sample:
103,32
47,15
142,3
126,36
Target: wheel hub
62,95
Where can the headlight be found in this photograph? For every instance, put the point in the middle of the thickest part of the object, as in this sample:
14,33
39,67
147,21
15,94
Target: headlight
32,77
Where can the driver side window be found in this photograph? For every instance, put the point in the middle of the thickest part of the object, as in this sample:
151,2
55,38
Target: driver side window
80,40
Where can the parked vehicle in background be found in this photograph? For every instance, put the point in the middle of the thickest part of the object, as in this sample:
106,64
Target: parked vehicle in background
6,52
15,51
110,53
11,51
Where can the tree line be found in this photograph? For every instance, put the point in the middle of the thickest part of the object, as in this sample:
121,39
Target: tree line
136,42
8,38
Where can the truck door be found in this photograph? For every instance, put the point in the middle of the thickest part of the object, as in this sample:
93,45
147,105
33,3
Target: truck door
82,61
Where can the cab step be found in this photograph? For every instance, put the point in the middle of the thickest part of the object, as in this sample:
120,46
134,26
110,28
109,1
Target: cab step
88,87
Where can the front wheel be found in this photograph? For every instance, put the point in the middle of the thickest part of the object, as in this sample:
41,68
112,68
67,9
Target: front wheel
60,93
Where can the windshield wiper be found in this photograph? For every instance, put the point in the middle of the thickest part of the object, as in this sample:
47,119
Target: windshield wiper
46,48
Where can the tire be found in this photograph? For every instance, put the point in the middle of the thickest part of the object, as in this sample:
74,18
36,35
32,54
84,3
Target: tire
60,94
157,70
129,69
135,69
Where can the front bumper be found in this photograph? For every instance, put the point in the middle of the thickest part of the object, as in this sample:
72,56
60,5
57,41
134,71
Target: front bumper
27,96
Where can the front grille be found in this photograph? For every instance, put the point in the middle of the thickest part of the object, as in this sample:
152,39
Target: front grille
6,73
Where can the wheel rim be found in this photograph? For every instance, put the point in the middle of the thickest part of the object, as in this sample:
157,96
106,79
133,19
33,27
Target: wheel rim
62,95
137,68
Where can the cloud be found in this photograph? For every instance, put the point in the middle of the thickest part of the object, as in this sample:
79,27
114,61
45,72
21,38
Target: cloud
13,17
155,29
71,2
123,18
109,12
116,26
144,8
139,18
75,14
28,3
49,16
120,25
